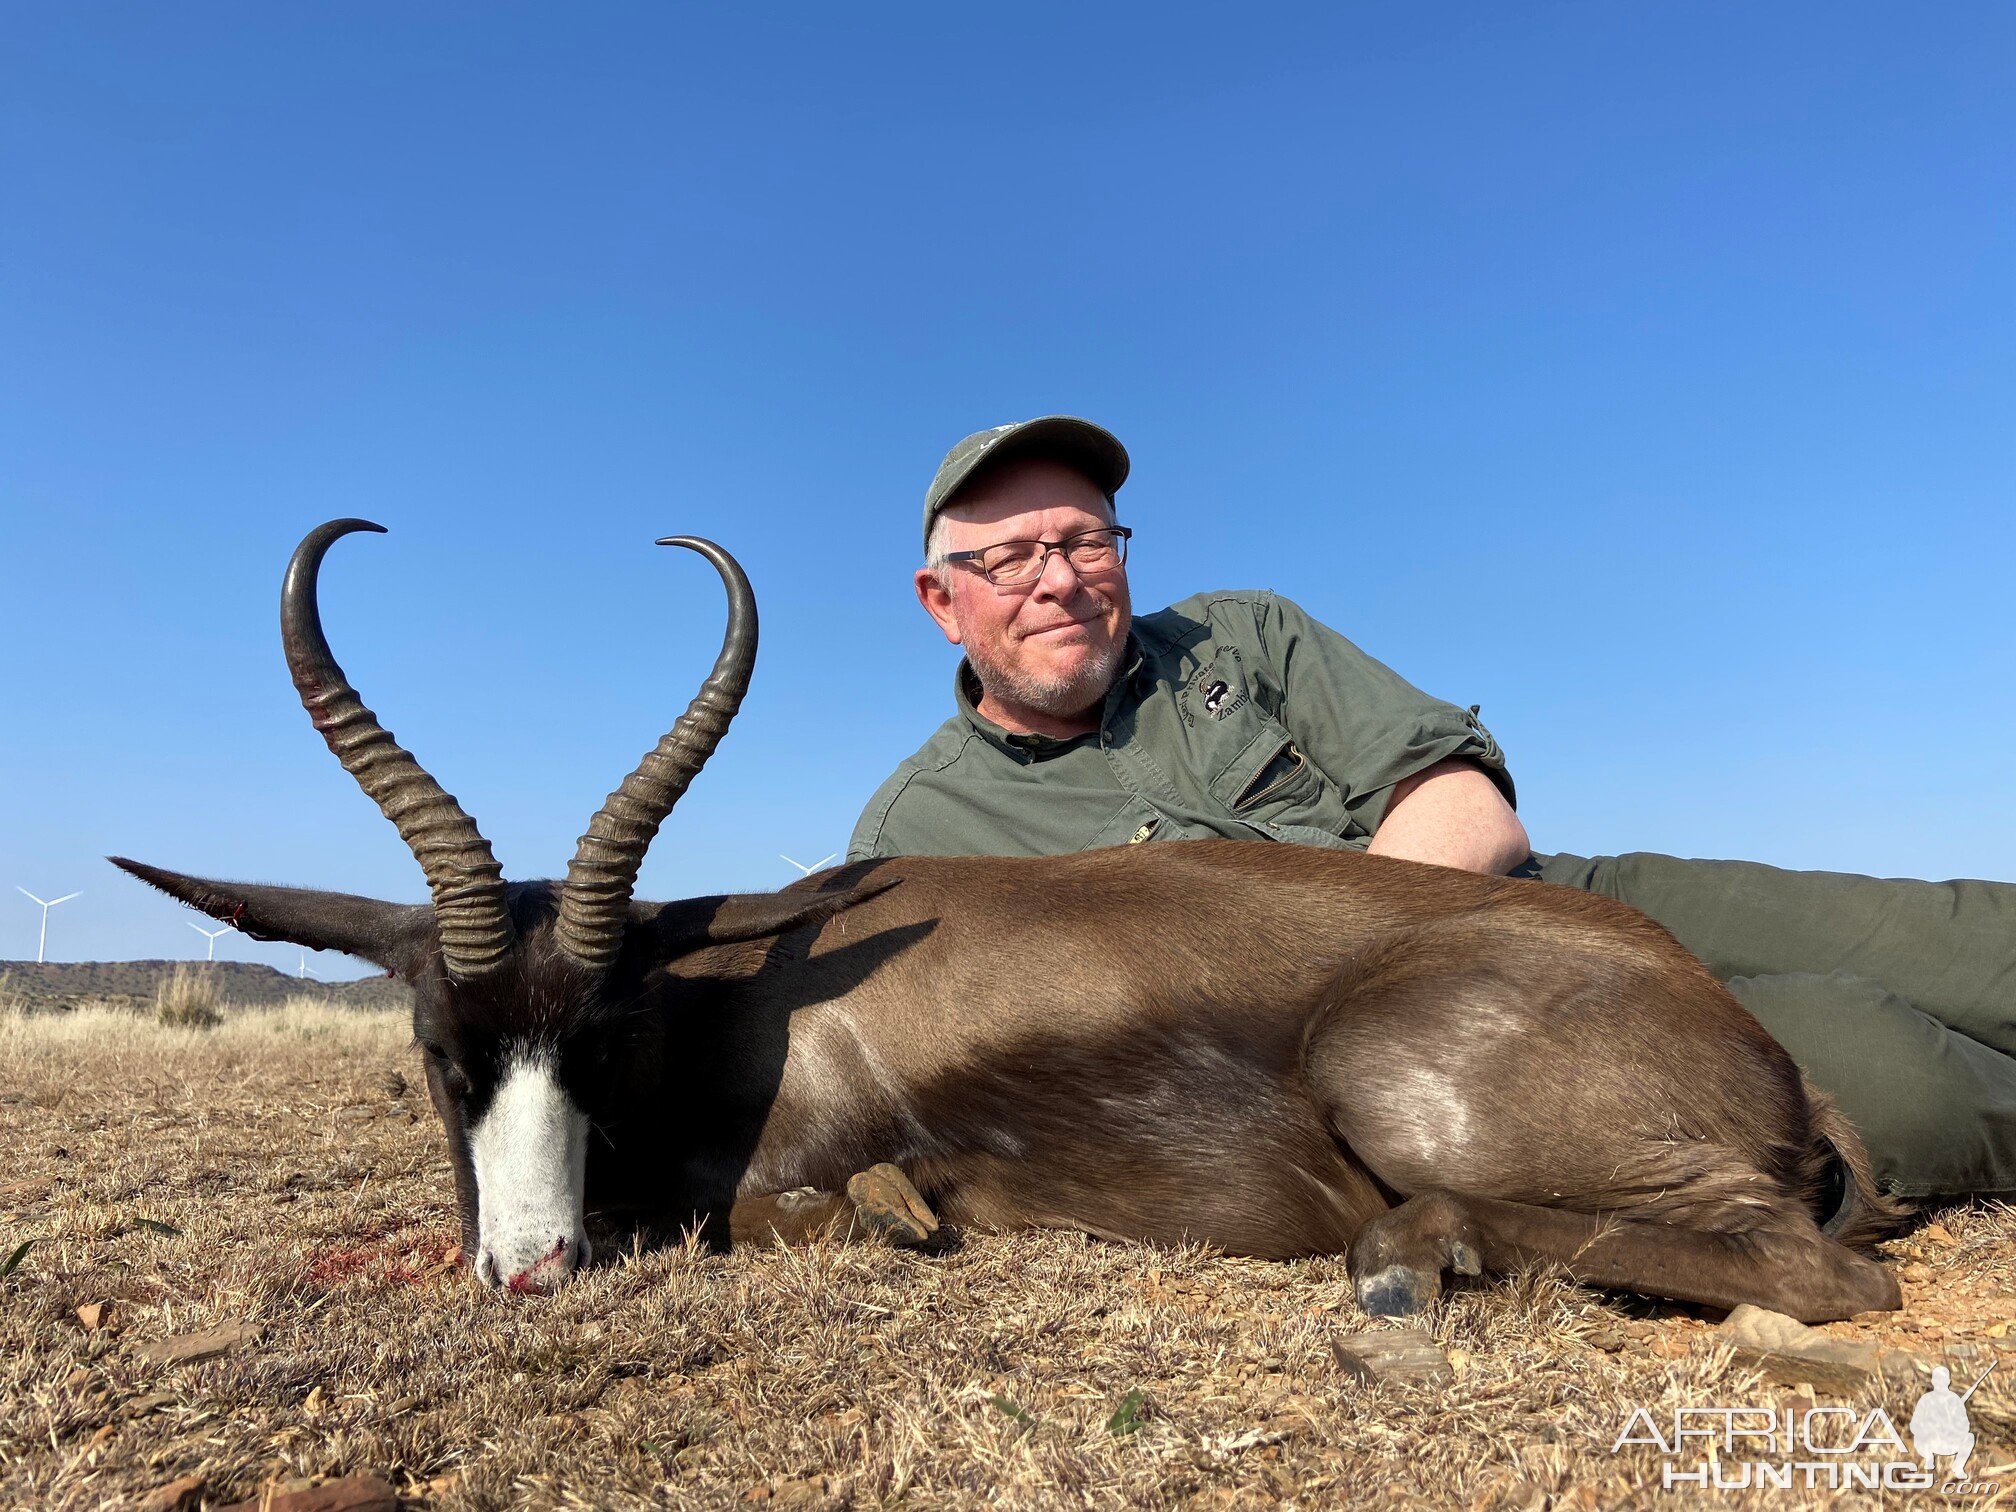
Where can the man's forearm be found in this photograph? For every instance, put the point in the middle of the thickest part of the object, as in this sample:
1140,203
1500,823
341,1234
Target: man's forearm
1452,815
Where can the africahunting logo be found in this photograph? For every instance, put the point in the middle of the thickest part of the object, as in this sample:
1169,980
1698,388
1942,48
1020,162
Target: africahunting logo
1838,1448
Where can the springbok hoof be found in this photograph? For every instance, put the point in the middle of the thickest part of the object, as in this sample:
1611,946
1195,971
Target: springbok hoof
886,1203
1398,1291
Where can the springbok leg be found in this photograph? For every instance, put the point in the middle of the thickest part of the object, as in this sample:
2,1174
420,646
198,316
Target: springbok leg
879,1202
1789,1266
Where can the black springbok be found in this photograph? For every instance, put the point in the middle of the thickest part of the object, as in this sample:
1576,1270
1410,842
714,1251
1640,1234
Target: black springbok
1276,1049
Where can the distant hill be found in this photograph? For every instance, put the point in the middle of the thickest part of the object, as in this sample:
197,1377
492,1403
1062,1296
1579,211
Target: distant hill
240,984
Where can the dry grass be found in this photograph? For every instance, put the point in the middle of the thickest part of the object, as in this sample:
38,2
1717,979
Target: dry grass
271,1172
187,999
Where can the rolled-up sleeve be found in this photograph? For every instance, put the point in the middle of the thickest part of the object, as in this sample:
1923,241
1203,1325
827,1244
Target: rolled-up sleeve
1365,726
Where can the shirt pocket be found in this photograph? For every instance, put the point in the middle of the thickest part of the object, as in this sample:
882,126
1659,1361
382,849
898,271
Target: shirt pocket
1282,778
1273,782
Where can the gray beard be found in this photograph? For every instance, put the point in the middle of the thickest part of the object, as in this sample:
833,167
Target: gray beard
1057,697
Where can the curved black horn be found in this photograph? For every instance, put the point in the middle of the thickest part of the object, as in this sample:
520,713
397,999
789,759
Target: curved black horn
467,883
602,874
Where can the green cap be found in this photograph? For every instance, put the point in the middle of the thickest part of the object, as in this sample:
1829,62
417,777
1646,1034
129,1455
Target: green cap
1091,449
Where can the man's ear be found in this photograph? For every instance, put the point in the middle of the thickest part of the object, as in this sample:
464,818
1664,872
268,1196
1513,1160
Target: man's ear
396,936
937,601
688,925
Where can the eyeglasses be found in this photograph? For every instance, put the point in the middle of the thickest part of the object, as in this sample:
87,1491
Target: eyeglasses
1015,564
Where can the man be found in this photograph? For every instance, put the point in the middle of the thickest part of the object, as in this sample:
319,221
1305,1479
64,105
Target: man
1939,1424
1235,714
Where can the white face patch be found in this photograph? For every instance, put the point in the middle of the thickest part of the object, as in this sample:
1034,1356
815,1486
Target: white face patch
530,1150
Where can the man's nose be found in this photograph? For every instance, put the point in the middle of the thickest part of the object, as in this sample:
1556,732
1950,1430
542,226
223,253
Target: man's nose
1058,579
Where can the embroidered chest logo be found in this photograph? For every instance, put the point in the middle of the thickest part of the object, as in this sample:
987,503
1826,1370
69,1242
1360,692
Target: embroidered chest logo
1217,693
1218,696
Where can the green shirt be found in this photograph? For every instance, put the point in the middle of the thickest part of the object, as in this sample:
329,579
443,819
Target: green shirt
1236,715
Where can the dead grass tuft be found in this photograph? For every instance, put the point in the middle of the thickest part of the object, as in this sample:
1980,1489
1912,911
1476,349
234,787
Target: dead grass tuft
273,1175
187,999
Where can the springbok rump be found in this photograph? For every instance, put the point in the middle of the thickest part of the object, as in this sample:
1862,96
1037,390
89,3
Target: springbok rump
1278,1050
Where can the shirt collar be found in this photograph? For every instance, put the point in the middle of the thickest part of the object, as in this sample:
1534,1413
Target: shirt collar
966,694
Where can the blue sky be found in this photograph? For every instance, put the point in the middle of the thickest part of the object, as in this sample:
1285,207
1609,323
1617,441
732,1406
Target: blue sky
1642,372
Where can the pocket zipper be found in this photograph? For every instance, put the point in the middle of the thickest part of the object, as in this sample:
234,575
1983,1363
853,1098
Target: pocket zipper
1249,797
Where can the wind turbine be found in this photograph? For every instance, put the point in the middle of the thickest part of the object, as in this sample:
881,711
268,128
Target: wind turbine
211,936
808,870
42,945
306,970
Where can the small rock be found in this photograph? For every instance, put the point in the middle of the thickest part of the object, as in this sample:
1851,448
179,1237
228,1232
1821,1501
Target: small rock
353,1493
359,1114
1789,1352
404,1404
1915,1271
1606,1339
92,1316
154,1401
1936,1233
1392,1354
185,1349
178,1495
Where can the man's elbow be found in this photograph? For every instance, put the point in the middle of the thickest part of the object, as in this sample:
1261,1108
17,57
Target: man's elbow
1512,844
1453,815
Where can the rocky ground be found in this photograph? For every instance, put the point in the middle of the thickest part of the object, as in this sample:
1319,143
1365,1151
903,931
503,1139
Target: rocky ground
233,1277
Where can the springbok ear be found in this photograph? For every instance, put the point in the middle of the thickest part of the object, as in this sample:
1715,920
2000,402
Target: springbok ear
397,936
695,922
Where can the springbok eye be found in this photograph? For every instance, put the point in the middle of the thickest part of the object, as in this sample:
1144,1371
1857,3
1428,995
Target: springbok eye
453,1082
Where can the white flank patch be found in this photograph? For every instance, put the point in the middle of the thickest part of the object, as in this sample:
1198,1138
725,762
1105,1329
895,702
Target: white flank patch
531,1155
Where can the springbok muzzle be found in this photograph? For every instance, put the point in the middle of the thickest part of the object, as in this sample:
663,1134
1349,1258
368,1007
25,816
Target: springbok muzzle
530,1150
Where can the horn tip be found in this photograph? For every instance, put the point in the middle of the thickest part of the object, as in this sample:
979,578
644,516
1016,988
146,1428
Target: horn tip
151,875
325,535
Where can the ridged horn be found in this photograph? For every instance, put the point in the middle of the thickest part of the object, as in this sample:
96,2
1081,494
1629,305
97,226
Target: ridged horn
600,878
467,882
